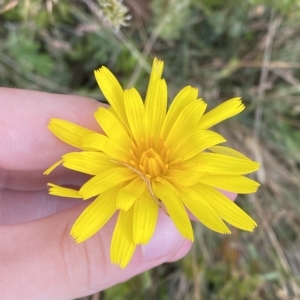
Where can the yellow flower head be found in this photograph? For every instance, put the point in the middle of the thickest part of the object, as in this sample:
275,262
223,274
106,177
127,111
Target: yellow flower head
152,158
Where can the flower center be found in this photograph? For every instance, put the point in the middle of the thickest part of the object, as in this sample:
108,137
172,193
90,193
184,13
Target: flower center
151,164
152,161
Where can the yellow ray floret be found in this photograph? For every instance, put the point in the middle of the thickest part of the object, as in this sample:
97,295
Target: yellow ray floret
96,215
68,132
57,190
144,219
122,245
222,112
128,194
151,158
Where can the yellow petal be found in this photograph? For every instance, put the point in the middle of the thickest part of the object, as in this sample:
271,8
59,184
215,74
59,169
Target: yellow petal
50,169
112,111
156,108
220,164
57,190
128,194
112,127
112,91
99,142
222,112
105,180
166,192
156,72
186,121
135,111
197,142
122,245
227,151
226,208
183,177
182,99
144,219
95,216
91,163
68,132
235,184
202,209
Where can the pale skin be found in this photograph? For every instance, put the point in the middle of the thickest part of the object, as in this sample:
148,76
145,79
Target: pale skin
38,258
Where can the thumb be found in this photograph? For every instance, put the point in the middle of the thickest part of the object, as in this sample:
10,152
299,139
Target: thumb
47,264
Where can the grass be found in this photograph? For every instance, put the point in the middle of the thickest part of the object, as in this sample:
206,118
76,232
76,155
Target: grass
249,50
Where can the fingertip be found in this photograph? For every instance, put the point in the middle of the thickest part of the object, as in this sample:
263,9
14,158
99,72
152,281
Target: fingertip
182,251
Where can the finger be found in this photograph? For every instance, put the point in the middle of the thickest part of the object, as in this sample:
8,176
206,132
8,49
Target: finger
24,194
20,207
46,256
26,143
34,180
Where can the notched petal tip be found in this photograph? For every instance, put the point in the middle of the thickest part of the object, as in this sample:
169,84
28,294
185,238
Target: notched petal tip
251,227
238,102
157,68
78,239
77,236
105,72
99,70
74,237
119,263
158,63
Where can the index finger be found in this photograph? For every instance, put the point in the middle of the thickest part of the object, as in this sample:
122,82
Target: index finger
26,143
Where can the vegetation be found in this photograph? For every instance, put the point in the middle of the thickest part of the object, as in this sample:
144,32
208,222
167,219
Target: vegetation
226,49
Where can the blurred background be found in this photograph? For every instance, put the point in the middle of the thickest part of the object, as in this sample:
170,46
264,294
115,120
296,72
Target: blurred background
224,48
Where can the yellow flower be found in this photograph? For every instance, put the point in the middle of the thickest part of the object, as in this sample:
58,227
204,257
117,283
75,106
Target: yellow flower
152,158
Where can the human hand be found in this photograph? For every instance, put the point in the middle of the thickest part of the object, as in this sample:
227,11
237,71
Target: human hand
38,257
